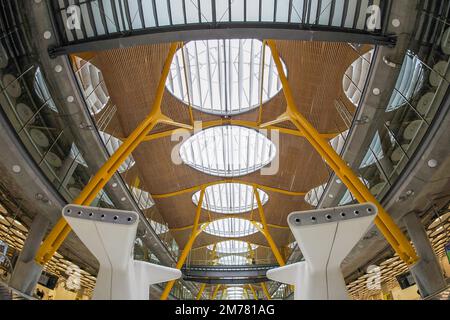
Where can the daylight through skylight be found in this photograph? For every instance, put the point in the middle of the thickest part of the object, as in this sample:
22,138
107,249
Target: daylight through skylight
232,247
231,228
228,151
224,76
230,198
233,260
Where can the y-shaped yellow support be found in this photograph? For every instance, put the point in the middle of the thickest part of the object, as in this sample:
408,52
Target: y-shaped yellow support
384,222
101,178
196,231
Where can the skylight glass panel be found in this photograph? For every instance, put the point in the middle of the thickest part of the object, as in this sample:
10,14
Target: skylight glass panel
355,77
313,196
233,260
232,247
230,198
228,151
374,154
143,198
93,85
231,228
112,144
159,228
409,82
223,77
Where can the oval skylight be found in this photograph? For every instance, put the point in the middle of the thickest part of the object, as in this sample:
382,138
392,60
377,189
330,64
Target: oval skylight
112,144
231,228
355,77
314,195
143,198
230,198
232,247
224,76
233,260
228,151
93,85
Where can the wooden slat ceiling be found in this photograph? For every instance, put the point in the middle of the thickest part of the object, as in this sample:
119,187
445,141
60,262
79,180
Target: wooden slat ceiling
315,72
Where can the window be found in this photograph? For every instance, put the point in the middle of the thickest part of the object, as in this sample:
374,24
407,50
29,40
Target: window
230,198
223,77
227,151
231,228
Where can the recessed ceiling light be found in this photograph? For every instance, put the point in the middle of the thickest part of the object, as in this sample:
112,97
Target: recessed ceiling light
123,199
47,35
396,23
432,163
338,181
16,168
114,184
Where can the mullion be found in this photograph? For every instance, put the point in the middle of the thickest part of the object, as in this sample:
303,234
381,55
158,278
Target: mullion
103,16
245,10
333,5
128,15
91,18
155,14
260,10
305,7
122,14
308,15
290,11
184,11
357,12
319,9
344,13
169,9
275,5
213,9
199,11
116,18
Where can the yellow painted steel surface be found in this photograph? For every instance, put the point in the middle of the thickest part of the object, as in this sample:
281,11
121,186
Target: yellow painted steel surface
384,222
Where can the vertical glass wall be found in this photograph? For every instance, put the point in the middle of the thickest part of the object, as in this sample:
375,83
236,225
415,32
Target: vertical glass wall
420,89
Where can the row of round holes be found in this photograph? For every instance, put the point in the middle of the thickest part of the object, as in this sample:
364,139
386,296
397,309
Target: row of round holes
328,217
102,216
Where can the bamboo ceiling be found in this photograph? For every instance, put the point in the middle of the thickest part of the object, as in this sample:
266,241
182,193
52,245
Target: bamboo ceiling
315,72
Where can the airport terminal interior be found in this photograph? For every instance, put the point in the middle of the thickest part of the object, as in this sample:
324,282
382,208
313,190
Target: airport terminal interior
224,150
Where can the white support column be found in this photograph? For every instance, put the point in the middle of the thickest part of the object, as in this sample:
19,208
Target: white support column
110,234
325,238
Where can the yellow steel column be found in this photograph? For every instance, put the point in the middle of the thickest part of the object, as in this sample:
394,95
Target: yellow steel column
101,178
187,248
200,292
383,221
266,292
216,291
253,292
265,230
